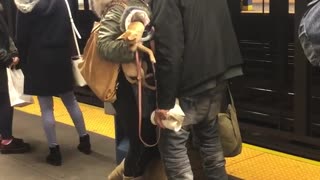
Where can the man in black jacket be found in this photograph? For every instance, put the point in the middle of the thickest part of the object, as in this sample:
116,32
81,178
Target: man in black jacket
197,53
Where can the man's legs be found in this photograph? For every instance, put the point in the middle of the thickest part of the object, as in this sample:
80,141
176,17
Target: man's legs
173,151
211,150
208,138
201,112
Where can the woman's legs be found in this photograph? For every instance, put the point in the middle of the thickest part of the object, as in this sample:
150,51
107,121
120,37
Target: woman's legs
46,106
70,102
138,155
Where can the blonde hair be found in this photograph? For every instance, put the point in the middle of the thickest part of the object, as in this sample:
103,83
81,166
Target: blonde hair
98,6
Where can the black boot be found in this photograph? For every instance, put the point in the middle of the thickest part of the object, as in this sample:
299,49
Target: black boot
85,145
54,158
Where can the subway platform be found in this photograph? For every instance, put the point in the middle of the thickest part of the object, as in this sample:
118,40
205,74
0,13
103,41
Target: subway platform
255,163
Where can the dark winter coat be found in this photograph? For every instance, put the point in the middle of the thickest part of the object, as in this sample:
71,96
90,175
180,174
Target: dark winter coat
195,44
44,40
7,51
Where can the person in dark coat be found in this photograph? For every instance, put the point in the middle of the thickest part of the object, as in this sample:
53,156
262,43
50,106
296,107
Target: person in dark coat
197,53
44,38
8,58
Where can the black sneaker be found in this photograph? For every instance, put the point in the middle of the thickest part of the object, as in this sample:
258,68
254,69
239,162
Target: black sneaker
85,146
54,158
17,146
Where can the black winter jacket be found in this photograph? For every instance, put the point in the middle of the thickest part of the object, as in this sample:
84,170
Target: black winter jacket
7,51
195,43
44,39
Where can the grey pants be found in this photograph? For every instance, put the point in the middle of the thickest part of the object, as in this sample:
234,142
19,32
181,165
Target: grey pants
70,102
201,117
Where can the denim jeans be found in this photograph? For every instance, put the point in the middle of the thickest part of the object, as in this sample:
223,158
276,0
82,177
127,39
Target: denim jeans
71,104
201,117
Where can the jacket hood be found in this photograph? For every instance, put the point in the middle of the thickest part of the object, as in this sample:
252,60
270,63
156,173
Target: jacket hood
98,6
26,6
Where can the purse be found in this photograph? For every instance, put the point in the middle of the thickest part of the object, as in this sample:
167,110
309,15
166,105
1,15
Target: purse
101,75
79,80
229,130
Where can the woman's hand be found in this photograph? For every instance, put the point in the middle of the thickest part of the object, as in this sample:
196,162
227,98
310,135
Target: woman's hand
15,61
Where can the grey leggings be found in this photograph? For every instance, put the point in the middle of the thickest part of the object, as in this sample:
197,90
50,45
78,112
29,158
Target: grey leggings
70,102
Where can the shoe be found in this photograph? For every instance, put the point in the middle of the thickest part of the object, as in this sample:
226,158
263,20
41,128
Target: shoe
85,145
54,158
17,146
132,178
117,173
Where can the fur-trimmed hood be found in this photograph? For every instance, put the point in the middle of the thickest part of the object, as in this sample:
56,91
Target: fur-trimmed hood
26,6
98,6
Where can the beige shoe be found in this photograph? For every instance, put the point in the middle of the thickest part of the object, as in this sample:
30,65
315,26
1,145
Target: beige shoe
117,173
133,178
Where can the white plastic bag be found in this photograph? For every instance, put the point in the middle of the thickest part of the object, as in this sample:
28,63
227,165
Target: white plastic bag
79,80
15,88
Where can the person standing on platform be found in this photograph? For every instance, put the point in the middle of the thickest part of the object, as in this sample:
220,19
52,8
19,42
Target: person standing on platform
197,53
44,40
8,58
114,18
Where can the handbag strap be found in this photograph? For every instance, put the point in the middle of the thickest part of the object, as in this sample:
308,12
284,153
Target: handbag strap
230,95
75,31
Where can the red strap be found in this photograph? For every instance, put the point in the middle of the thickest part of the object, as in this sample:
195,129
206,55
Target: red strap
138,62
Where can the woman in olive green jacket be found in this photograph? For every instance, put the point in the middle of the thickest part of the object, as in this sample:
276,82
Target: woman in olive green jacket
115,17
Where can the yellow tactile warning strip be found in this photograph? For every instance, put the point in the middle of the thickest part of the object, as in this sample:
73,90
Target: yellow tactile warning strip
254,163
95,118
257,163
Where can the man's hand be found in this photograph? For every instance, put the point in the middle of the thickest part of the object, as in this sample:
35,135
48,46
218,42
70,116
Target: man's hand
160,114
15,61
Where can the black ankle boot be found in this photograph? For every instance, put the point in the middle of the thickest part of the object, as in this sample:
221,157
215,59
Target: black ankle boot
54,158
85,145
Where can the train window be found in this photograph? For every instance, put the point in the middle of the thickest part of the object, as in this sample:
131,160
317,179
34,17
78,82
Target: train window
291,6
81,4
255,6
261,6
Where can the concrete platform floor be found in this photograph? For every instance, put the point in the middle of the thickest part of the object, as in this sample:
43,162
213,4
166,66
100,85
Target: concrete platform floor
76,166
254,163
